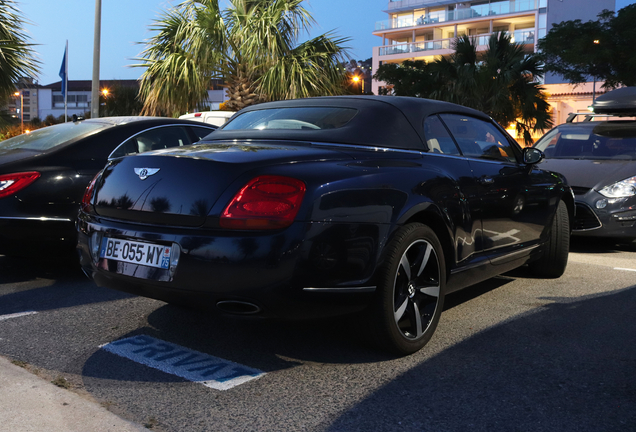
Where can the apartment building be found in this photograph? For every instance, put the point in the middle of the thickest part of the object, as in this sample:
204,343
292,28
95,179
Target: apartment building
425,30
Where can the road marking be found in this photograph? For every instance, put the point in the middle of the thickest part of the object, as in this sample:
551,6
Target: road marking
625,269
192,365
16,315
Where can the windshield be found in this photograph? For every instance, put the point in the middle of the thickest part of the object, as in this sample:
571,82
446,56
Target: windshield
593,141
50,136
310,118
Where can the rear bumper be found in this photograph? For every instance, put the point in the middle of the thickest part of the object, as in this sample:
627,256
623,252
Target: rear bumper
306,270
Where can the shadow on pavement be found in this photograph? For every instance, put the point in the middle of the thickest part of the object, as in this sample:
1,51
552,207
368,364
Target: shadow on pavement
266,344
45,284
569,367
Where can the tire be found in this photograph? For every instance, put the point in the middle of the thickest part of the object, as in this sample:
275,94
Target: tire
555,257
410,293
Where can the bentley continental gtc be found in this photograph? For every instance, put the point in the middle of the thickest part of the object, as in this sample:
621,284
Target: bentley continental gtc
322,206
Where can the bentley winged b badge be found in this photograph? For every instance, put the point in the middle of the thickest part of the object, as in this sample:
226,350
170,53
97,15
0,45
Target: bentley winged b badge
144,173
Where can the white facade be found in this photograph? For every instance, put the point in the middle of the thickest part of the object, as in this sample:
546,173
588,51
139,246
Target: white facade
51,102
426,29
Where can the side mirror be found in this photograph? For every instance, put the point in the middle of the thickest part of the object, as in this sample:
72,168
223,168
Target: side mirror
532,155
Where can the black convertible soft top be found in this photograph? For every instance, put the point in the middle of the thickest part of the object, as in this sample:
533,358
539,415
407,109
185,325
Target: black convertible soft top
382,121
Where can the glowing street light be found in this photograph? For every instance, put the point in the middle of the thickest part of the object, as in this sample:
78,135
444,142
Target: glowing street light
356,79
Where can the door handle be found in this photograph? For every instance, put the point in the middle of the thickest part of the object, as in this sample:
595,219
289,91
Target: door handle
486,180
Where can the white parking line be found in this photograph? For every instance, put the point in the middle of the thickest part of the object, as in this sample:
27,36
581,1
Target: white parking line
625,269
16,315
176,360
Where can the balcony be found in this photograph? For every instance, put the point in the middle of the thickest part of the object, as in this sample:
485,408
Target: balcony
525,37
480,11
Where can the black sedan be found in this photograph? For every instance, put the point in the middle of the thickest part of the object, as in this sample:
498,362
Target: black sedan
43,174
328,205
598,158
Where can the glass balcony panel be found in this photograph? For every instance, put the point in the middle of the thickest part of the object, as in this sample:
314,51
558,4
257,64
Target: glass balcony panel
523,37
486,10
416,47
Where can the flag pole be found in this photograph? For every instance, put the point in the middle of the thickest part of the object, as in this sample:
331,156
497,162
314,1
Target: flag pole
96,47
66,82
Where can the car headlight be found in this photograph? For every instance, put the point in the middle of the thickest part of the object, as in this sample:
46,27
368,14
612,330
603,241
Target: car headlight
622,189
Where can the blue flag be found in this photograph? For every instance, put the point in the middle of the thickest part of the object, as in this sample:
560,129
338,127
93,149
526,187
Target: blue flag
63,75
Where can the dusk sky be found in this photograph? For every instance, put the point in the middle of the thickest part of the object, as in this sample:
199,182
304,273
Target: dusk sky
125,23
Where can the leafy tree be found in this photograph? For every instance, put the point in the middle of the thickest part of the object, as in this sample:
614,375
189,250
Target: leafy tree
410,78
500,81
578,50
120,101
622,35
602,49
252,45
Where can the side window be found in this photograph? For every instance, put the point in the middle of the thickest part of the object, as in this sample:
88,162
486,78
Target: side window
153,139
479,138
201,132
437,137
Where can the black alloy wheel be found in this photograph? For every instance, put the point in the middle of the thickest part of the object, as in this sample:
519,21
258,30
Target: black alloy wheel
411,291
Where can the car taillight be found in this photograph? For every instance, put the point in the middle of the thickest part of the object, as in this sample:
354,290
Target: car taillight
11,183
88,195
265,202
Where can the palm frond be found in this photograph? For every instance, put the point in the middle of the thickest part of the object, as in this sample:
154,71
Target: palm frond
17,56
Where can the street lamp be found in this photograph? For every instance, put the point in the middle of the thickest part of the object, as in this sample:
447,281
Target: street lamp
357,79
19,93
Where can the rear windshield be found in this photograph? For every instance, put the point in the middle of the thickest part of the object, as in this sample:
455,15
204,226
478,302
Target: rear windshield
51,136
307,118
611,140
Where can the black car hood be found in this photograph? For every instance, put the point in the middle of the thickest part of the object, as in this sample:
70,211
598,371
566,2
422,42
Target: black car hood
593,174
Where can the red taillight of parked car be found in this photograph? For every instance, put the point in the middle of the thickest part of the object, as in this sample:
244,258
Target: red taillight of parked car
12,183
265,202
88,195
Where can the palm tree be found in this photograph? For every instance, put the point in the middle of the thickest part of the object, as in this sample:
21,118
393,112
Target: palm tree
251,45
17,58
501,81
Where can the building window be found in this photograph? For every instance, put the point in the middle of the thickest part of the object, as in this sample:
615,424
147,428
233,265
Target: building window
26,93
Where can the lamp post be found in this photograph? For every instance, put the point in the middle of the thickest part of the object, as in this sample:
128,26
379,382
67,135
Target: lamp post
19,93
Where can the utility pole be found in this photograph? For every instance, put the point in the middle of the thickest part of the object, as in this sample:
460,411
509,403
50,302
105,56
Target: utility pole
96,45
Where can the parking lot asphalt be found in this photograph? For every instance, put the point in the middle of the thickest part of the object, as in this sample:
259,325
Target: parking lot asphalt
580,330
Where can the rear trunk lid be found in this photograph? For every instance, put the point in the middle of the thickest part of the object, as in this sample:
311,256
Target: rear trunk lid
178,187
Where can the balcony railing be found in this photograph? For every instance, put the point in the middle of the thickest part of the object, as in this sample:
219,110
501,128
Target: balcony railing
481,11
519,36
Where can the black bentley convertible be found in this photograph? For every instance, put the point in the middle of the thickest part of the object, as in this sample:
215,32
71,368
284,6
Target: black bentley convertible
327,205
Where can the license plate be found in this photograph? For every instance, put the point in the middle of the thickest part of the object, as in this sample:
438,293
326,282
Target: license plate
147,254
